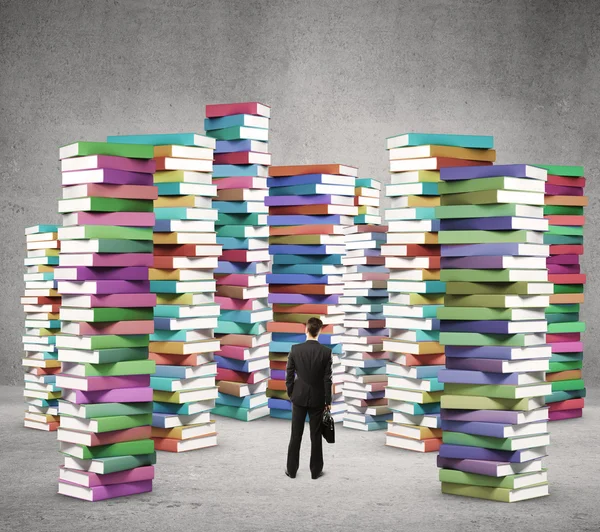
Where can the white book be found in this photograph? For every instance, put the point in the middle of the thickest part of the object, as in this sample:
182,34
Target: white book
193,383
192,226
202,442
403,311
406,383
412,226
369,202
406,286
410,275
405,443
428,421
195,213
405,213
425,324
41,237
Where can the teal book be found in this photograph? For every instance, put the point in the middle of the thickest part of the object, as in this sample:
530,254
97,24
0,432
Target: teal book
222,122
568,386
562,239
241,231
241,414
564,395
229,327
239,133
235,243
560,309
239,207
240,316
372,425
184,213
179,189
179,287
367,182
310,190
252,219
166,139
461,141
568,230
416,213
209,310
561,318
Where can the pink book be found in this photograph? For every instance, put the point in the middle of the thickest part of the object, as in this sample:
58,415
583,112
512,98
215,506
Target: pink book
100,493
233,351
567,347
564,414
117,300
246,108
131,219
118,395
564,268
105,287
101,190
374,276
241,182
114,436
94,384
229,303
90,162
118,327
235,279
85,478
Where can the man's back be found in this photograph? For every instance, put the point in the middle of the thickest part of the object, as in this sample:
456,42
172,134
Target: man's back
311,363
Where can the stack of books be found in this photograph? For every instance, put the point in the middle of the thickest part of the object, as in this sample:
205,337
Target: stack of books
493,327
365,292
240,170
185,257
309,208
415,290
106,318
41,304
564,204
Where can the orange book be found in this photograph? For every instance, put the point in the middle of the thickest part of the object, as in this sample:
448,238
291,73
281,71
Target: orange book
564,375
315,289
302,230
274,384
566,299
371,229
241,340
44,371
277,364
172,445
338,169
288,327
565,219
168,359
424,360
307,308
571,201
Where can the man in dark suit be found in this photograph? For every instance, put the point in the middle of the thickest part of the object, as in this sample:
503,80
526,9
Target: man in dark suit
308,383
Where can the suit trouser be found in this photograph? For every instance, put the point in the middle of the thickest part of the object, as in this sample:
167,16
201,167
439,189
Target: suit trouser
315,416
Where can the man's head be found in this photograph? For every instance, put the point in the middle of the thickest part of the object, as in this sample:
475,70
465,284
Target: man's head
313,328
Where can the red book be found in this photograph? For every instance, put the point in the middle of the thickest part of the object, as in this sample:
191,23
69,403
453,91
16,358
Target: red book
565,191
224,374
569,404
317,229
101,190
566,249
562,337
415,250
227,183
164,359
289,327
243,255
235,279
307,308
567,278
561,219
243,157
39,300
566,181
245,108
277,364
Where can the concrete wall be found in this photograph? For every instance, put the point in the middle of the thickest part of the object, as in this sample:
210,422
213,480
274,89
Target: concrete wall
340,77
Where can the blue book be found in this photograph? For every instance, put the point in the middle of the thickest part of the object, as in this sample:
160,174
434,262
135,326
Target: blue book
461,141
238,402
236,267
234,364
292,249
374,425
496,170
173,409
302,259
233,146
304,219
297,338
239,207
497,352
310,190
165,139
222,122
280,414
297,278
238,170
293,180
184,213
279,404
178,372
424,372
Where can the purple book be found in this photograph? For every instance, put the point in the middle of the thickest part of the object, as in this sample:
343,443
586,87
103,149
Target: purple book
479,453
477,377
484,326
504,223
101,493
564,268
110,260
297,299
96,479
479,428
278,374
287,201
479,467
83,273
488,365
111,287
479,263
499,352
305,219
96,384
563,259
117,395
497,170
385,333
557,190
509,417
114,300
112,162
473,250
108,176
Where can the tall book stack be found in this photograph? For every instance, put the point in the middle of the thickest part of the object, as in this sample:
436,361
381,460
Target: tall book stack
309,208
415,290
185,256
564,204
106,318
241,163
41,303
493,327
365,291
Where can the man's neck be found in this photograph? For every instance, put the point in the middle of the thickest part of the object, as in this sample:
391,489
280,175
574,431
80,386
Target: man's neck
309,338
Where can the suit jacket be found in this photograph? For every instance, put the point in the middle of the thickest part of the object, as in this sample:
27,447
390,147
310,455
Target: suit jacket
308,375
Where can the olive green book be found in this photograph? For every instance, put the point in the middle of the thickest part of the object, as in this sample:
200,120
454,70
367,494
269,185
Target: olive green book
568,386
128,367
98,410
108,231
566,327
93,315
496,494
517,288
490,183
500,444
108,423
500,391
492,300
95,204
105,451
492,276
488,237
486,197
510,481
481,339
559,169
448,212
476,313
277,394
81,149
470,402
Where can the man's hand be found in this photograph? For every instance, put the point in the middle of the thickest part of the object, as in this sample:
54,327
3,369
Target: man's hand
328,408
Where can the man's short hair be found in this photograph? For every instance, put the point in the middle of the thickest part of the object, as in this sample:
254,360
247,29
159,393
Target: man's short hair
314,326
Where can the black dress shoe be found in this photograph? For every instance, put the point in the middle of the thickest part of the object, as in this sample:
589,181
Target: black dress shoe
288,474
315,477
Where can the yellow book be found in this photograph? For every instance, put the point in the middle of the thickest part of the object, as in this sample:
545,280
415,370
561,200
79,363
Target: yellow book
175,299
182,176
164,275
35,363
176,201
423,201
183,152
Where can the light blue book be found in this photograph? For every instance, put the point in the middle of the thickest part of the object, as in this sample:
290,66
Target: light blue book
36,229
239,170
426,189
165,139
281,414
461,141
367,182
240,207
229,327
222,122
167,384
236,267
185,409
309,269
426,372
32,261
234,146
373,425
180,372
185,213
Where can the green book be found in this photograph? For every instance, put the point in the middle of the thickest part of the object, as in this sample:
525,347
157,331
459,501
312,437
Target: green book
489,442
572,230
115,449
496,494
241,414
486,197
563,209
510,481
562,239
487,300
97,410
470,402
242,219
488,183
559,169
129,367
93,315
106,356
480,339
278,394
109,231
566,327
81,149
554,367
107,341
562,318
559,309
114,464
568,288
110,423
517,288
481,276
568,386
238,133
123,246
500,391
475,313
105,205
485,237
449,212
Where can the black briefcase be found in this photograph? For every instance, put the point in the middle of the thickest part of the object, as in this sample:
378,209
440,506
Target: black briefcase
328,427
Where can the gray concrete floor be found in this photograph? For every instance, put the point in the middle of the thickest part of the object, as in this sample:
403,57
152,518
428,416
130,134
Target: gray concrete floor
240,485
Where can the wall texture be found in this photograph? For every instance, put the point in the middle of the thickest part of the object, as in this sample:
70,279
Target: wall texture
340,76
